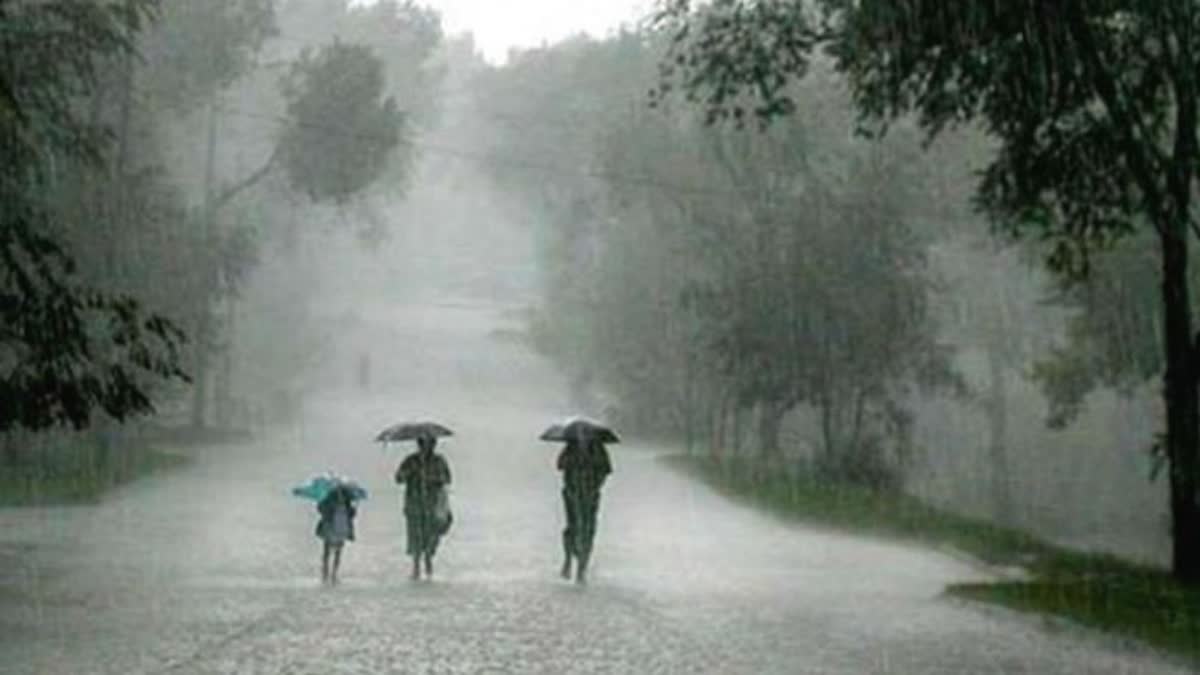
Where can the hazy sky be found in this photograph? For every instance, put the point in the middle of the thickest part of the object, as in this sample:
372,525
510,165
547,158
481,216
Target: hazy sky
501,24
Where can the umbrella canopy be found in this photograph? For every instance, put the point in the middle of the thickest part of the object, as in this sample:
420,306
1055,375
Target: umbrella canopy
579,427
319,487
408,431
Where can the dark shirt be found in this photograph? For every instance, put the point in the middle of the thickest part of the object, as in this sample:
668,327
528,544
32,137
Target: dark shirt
327,506
584,468
335,497
423,475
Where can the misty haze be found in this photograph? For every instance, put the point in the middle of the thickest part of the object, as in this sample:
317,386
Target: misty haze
684,336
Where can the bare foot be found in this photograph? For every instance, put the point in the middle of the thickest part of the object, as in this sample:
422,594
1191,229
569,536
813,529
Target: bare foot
581,571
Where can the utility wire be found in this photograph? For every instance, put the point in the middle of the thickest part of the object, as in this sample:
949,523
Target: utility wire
484,159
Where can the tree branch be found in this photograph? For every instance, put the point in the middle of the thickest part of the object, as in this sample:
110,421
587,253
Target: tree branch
1128,127
234,190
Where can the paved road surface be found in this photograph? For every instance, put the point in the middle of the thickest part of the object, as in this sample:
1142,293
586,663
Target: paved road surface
213,569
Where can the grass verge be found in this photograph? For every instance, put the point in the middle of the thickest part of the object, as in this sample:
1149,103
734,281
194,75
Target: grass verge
1100,591
80,482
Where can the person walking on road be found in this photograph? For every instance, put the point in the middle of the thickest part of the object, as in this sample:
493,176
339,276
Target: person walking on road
585,465
335,528
425,475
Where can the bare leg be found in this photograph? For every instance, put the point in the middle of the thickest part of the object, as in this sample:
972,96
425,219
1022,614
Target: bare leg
325,563
337,562
570,535
586,511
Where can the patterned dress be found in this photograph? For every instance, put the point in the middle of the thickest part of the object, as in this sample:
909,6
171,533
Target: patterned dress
425,476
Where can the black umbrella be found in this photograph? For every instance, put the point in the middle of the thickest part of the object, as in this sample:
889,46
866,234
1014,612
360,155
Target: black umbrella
578,427
408,431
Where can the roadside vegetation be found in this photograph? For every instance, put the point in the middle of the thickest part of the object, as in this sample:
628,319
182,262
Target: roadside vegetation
1095,590
68,468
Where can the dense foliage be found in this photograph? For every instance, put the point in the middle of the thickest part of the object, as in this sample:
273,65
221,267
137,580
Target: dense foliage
67,348
699,281
124,229
341,128
1094,106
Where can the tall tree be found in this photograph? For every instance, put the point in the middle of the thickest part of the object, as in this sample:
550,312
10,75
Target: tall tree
341,128
702,279
336,133
197,52
1094,105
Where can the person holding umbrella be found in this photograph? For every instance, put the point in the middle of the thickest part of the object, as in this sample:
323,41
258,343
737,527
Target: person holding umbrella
335,528
335,498
425,475
585,466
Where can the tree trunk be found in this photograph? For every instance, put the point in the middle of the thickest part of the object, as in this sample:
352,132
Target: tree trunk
1183,417
689,428
125,115
860,408
114,261
1170,212
104,439
1180,393
997,414
12,455
738,417
719,418
769,422
204,327
200,368
689,403
223,385
828,433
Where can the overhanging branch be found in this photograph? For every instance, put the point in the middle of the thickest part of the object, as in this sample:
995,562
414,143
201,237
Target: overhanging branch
1132,137
234,190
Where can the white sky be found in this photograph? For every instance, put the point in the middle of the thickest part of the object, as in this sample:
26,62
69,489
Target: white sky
501,24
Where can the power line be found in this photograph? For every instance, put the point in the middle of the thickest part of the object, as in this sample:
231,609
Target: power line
469,88
523,164
564,123
515,163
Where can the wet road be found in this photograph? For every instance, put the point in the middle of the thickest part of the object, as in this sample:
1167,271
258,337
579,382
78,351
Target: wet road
213,569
